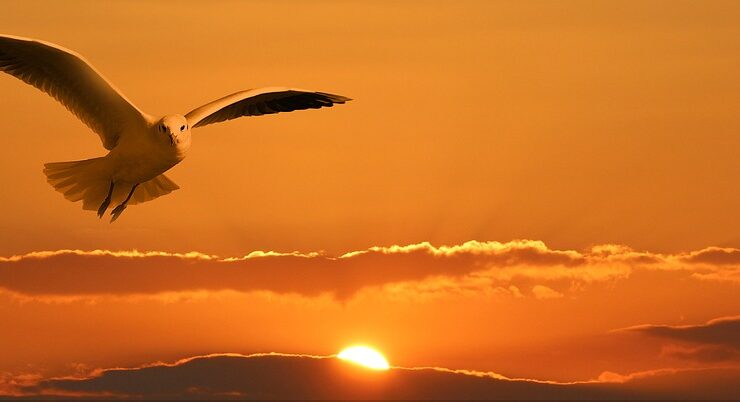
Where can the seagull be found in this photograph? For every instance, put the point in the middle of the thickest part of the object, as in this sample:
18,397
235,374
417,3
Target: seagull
141,147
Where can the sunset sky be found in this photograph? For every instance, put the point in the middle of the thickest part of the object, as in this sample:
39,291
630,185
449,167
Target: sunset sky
524,199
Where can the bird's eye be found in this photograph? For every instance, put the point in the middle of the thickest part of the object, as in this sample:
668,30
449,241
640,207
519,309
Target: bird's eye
163,128
182,128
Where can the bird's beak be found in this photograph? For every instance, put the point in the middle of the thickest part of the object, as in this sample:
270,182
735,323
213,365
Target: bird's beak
172,139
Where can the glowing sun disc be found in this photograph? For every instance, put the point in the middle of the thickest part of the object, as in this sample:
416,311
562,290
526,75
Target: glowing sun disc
365,356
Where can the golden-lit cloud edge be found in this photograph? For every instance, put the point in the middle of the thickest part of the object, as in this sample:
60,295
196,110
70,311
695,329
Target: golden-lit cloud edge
517,268
288,376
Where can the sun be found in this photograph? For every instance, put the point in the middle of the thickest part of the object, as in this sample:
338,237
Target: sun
365,356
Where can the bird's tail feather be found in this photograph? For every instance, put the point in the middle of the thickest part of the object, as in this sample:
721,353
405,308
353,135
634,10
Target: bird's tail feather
79,180
156,187
89,181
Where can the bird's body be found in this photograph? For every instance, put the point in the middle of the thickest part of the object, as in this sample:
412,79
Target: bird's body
141,147
141,157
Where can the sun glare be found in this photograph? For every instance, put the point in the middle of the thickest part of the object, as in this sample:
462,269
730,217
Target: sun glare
365,356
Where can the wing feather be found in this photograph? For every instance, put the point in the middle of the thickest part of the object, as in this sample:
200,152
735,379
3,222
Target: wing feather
256,102
72,81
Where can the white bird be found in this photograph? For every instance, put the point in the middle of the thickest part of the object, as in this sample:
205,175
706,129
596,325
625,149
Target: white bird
141,147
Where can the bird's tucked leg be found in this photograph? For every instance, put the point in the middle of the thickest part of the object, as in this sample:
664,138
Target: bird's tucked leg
119,209
106,202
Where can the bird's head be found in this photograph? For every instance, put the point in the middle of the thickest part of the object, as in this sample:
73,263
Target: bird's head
175,129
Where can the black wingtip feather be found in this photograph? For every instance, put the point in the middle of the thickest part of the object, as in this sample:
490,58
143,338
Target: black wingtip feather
334,98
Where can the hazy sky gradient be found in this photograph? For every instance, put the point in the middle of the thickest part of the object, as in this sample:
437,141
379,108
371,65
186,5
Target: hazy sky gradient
576,123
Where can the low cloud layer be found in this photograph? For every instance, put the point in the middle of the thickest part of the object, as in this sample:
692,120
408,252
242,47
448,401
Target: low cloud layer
276,376
528,266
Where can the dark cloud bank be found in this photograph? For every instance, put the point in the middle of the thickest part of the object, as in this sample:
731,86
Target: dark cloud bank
306,377
721,331
716,341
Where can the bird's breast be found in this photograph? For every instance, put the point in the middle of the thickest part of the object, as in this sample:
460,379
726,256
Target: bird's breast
145,160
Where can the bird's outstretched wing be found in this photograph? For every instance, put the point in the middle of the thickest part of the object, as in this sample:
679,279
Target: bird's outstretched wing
75,83
256,102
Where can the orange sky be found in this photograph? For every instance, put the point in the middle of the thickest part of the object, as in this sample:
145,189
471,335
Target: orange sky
575,124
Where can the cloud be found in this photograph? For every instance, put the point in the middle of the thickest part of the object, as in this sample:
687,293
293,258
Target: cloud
720,331
704,354
678,383
470,267
715,256
716,340
280,376
543,292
